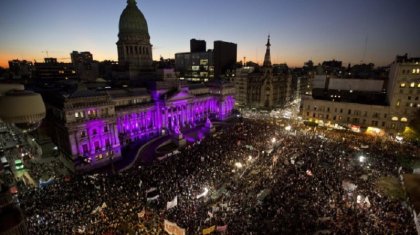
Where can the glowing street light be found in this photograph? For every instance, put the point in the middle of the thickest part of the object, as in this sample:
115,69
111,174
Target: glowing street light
238,165
288,128
362,159
273,140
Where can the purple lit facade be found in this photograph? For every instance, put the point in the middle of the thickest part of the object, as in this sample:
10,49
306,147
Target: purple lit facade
96,125
177,113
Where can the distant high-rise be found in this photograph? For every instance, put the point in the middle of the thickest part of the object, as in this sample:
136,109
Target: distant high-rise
224,57
81,57
87,69
197,45
21,68
134,48
200,65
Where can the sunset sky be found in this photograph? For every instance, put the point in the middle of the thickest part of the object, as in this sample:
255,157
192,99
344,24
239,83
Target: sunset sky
300,30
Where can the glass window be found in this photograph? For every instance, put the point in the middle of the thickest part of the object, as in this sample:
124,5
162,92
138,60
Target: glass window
412,84
394,118
76,114
404,119
402,84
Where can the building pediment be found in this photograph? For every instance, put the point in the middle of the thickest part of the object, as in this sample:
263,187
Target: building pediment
180,95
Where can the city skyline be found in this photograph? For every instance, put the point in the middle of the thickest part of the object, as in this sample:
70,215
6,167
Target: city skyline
368,31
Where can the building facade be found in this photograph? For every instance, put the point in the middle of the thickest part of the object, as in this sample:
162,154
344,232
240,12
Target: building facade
224,57
200,65
91,127
195,66
393,116
261,87
134,48
87,69
51,70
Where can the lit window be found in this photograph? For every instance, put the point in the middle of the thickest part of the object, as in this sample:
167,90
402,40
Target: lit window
404,119
418,70
402,85
394,118
398,103
418,85
412,84
411,104
76,114
414,70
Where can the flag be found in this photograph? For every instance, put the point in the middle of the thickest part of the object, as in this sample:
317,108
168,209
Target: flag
209,230
142,213
172,203
152,198
221,228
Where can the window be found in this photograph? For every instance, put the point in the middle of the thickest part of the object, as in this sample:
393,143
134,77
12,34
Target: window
349,112
409,98
414,70
413,84
106,129
383,124
394,118
374,123
76,114
418,70
404,119
402,84
94,132
85,149
398,103
83,134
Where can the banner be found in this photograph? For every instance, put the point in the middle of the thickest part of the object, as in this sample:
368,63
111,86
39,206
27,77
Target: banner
221,228
172,203
209,230
152,198
173,228
151,190
152,194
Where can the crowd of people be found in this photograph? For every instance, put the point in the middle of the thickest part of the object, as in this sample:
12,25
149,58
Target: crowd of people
261,179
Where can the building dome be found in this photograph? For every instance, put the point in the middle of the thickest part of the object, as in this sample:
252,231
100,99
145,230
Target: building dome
23,108
132,21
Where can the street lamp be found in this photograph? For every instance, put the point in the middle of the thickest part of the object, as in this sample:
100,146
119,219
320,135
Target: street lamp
273,140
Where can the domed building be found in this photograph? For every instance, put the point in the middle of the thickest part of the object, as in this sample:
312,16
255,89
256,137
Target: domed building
25,109
134,48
